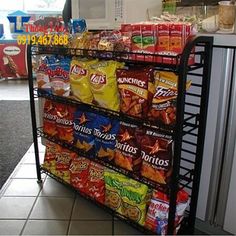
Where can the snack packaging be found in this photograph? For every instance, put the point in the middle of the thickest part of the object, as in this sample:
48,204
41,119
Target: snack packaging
79,79
133,85
127,152
104,85
64,122
96,184
156,152
58,73
105,132
83,131
136,41
158,211
42,77
127,196
63,161
79,171
163,108
49,118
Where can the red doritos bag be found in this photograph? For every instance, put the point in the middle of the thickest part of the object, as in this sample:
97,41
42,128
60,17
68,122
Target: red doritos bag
49,118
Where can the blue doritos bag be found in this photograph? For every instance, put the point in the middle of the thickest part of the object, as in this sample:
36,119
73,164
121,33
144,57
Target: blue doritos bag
83,131
105,132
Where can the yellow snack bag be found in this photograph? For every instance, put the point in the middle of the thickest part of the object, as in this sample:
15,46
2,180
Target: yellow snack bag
79,79
104,85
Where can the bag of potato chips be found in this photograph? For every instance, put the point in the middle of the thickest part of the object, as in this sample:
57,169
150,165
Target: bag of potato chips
103,84
49,118
79,79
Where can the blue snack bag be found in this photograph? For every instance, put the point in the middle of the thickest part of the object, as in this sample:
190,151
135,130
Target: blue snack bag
105,132
83,131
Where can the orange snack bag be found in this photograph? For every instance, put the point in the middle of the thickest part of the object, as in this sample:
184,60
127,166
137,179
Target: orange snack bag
49,118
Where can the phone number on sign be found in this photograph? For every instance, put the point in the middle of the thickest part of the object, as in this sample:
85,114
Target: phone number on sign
42,39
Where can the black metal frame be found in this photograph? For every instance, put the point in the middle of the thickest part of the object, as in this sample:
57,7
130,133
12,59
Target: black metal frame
191,119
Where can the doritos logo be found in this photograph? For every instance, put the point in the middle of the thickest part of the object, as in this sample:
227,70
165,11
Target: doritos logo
98,79
77,70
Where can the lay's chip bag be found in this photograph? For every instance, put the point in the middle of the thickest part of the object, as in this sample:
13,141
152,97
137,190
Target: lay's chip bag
105,132
83,131
79,79
104,85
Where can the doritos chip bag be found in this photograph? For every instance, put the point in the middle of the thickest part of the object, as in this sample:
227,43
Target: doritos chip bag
105,132
103,84
158,211
83,131
49,118
127,153
79,170
79,79
156,152
133,87
96,184
64,122
163,108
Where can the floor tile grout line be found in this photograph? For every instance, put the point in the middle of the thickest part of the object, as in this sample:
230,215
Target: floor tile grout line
72,210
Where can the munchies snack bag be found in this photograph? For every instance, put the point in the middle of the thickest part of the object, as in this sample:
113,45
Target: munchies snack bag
79,79
79,171
156,152
64,122
163,108
83,131
127,152
49,118
158,211
105,132
133,87
104,85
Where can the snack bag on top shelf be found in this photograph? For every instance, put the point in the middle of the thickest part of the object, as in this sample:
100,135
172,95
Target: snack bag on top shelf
63,161
127,152
79,79
105,131
79,171
64,122
134,85
163,108
96,184
156,152
58,73
83,131
104,85
136,42
158,211
49,118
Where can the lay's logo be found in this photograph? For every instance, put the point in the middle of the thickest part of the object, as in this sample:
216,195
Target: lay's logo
77,70
98,79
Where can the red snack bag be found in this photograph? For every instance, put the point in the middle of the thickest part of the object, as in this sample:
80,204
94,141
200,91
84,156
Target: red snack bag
127,152
96,184
79,170
63,161
49,118
133,85
156,152
64,122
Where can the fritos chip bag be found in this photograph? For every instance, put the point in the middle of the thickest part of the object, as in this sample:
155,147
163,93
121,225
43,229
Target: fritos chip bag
133,87
63,161
158,211
126,196
49,118
103,84
79,79
58,73
105,132
83,131
96,184
64,121
156,152
79,171
163,108
50,156
127,152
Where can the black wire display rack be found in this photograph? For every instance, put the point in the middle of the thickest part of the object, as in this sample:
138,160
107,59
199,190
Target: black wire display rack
188,133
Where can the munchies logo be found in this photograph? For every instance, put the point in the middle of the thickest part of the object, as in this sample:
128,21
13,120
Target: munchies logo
139,83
